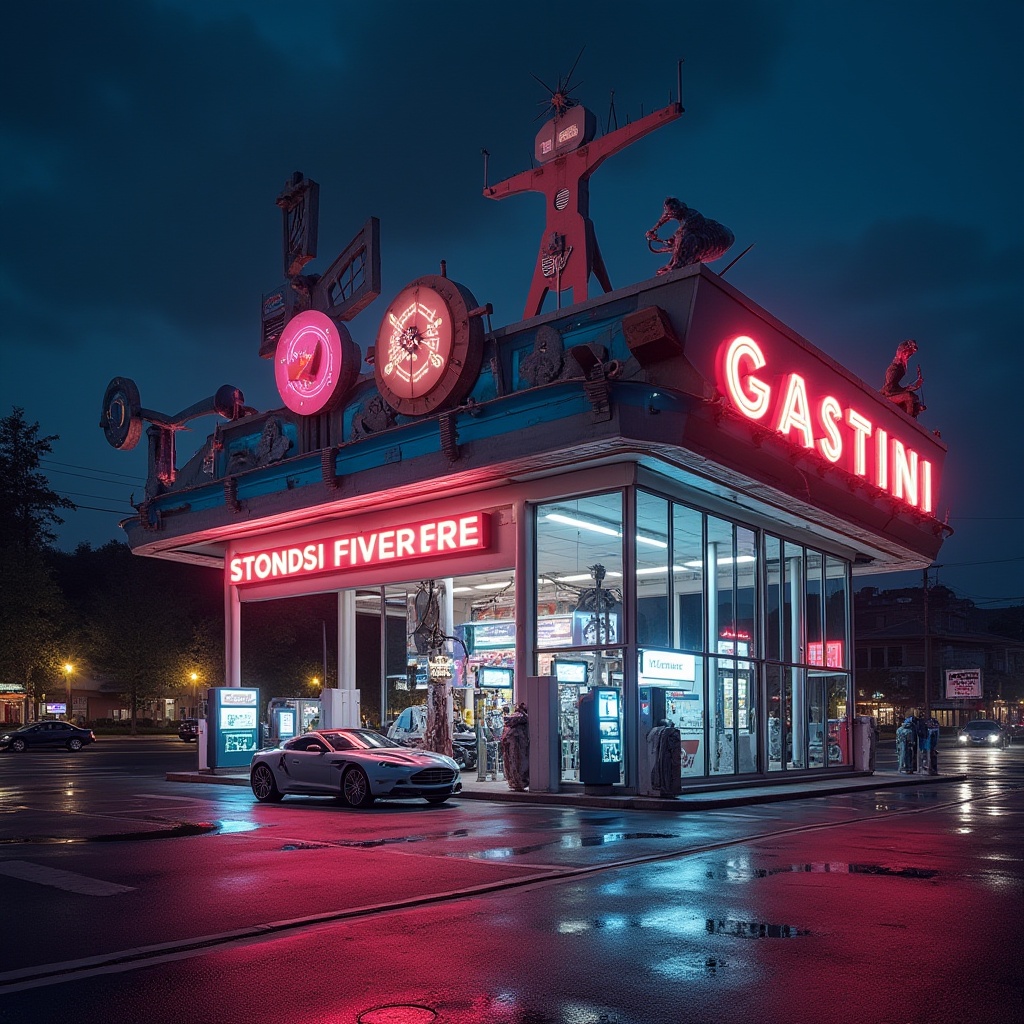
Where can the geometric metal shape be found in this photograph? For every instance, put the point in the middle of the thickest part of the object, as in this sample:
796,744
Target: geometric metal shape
352,281
277,309
300,206
121,417
650,335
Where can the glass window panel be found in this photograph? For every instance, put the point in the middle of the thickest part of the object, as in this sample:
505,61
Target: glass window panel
794,725
837,618
813,610
840,722
773,595
652,572
816,719
776,717
792,603
688,578
721,590
686,710
746,588
722,716
579,566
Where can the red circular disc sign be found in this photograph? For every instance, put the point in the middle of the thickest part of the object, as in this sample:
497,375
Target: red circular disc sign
428,347
314,363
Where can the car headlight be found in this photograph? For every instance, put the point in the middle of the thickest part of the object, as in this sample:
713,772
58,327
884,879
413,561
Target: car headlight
961,738
994,738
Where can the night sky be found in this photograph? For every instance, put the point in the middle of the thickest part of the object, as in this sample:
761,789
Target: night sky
872,152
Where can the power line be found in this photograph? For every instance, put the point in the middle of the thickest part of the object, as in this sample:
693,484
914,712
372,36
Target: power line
89,469
994,561
100,497
112,511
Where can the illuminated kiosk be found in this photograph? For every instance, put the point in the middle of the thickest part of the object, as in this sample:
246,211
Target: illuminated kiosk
663,488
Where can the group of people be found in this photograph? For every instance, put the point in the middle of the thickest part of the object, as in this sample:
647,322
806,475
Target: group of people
917,745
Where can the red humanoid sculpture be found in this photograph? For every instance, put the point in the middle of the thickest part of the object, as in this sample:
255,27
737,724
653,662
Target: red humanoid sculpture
568,154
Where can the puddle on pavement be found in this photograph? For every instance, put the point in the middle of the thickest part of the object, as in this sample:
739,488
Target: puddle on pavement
564,843
742,873
183,829
752,929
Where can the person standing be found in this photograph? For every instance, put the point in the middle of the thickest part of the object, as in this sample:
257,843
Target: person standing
906,746
932,766
922,738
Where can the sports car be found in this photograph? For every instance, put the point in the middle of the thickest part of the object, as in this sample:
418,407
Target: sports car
356,765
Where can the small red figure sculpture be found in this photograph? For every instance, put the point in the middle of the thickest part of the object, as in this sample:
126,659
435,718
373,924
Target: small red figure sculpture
903,395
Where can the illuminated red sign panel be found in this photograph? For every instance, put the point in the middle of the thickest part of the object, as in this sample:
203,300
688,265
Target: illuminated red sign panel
819,422
833,653
431,538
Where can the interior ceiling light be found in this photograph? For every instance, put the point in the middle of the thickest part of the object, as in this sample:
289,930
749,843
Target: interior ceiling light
580,577
493,586
608,531
462,590
658,569
582,524
724,560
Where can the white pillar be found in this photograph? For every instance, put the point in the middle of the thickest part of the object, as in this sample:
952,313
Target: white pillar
232,637
346,640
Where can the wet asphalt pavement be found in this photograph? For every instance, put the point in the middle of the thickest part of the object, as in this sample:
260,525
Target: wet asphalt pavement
898,903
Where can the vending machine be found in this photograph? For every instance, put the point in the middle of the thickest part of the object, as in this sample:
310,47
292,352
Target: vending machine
233,726
600,736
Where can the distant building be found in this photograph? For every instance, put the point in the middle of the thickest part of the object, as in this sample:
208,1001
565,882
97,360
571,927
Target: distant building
897,635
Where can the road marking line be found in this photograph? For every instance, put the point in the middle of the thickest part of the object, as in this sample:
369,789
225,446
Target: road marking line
29,872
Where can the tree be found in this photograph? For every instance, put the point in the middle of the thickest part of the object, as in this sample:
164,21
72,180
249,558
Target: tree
32,611
146,621
28,507
32,620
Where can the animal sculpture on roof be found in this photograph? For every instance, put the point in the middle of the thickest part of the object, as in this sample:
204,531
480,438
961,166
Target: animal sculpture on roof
698,239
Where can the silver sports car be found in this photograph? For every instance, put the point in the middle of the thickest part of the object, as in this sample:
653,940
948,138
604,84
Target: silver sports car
357,765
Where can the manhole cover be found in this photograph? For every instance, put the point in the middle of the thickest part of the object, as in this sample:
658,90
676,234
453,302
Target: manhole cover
398,1015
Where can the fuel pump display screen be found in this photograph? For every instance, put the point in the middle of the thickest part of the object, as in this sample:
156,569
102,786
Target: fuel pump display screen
234,719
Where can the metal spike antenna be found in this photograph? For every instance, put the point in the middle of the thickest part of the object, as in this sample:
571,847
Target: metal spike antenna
547,88
568,77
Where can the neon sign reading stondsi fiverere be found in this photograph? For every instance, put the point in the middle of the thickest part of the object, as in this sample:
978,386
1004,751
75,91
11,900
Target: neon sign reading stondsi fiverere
810,417
431,538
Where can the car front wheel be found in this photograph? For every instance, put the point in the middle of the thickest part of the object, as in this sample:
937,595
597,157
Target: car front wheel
264,788
74,744
355,788
18,746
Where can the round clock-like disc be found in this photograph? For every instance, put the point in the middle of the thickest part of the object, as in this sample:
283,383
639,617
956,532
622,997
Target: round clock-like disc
315,363
121,418
429,349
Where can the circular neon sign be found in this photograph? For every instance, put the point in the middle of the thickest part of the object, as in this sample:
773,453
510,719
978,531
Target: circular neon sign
315,363
429,348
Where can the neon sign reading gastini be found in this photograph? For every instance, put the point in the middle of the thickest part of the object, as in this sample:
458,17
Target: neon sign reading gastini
842,435
428,539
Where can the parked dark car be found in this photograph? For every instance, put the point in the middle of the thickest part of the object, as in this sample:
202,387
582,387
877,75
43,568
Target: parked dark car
46,734
188,729
983,733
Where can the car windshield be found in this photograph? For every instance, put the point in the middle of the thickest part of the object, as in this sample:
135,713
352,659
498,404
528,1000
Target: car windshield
365,739
981,727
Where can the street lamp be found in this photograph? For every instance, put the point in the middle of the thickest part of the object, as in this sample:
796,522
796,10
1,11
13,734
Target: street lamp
195,694
68,669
